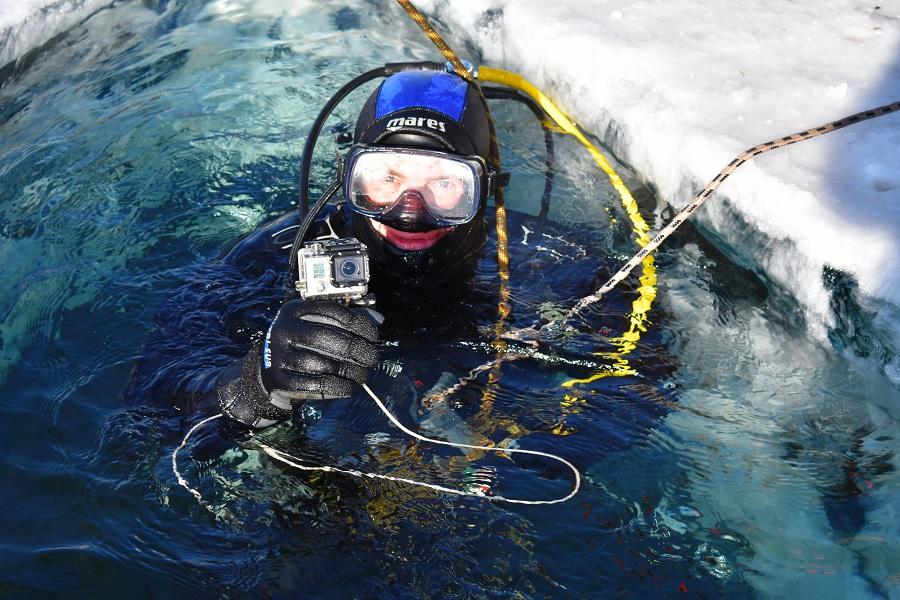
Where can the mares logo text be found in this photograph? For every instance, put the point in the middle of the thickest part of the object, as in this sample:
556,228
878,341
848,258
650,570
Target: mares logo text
416,122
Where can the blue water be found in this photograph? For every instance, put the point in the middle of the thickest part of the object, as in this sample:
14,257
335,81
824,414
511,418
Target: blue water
744,459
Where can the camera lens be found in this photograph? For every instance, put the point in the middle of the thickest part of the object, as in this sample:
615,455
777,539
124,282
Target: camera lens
349,267
349,270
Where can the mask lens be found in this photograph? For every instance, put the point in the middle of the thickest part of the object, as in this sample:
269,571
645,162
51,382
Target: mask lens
449,186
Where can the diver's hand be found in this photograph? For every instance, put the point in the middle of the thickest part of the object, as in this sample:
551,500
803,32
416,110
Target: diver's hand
317,350
313,350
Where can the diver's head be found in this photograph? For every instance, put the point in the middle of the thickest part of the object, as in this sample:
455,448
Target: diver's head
418,176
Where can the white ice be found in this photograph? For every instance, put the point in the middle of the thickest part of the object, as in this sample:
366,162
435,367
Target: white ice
26,24
679,88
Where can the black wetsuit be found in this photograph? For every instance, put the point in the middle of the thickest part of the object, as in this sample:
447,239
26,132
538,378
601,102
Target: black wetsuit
429,339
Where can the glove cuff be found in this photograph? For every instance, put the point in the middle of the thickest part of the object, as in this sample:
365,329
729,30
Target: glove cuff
243,397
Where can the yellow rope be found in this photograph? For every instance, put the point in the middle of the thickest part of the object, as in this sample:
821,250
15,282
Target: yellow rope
503,308
436,39
647,290
502,238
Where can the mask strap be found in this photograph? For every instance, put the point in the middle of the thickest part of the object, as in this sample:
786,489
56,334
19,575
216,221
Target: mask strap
495,181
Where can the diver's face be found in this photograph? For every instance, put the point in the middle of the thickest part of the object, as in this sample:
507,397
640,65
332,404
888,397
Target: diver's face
412,185
440,183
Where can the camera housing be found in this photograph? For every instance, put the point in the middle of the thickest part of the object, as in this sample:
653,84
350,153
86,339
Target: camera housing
333,269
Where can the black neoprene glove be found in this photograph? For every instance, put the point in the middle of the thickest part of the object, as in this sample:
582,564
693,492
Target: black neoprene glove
314,350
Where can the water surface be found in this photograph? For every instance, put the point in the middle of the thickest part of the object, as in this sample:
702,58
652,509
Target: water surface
740,459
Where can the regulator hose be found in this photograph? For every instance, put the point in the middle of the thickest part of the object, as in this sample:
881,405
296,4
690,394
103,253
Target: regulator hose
316,129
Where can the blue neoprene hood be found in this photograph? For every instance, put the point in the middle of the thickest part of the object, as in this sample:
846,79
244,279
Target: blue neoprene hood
437,91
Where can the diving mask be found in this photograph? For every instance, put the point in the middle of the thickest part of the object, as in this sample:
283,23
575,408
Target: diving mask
414,187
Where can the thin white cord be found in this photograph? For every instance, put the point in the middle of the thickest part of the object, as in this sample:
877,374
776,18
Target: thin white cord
292,461
409,432
178,476
522,334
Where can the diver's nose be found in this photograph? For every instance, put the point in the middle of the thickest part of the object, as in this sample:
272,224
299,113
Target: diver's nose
410,207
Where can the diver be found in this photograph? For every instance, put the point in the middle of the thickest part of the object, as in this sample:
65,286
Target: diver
415,183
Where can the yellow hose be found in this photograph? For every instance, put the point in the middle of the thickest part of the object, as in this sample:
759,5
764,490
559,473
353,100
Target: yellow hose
647,290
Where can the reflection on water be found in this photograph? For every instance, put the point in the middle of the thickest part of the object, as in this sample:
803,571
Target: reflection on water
740,457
